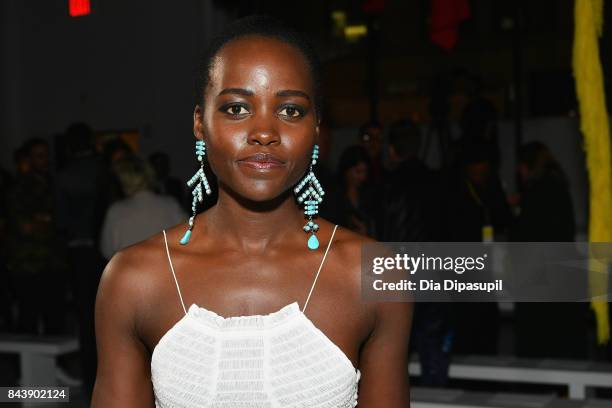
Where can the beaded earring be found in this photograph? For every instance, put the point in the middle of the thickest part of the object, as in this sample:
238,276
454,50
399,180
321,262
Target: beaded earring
198,180
311,197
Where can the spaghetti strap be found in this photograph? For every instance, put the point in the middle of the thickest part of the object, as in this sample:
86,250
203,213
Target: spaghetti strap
174,274
320,267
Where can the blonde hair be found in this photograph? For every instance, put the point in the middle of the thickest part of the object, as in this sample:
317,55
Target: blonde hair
134,175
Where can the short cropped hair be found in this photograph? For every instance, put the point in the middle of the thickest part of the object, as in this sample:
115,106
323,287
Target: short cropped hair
259,26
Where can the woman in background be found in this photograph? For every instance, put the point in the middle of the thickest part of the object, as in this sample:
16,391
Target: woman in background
354,203
142,213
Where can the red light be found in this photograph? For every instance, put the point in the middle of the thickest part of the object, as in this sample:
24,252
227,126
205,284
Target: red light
78,8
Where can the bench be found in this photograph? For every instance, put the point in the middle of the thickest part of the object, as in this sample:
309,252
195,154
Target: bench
37,355
579,376
423,397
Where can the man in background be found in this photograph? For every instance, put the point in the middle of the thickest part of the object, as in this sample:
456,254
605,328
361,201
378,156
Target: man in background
413,213
35,252
76,204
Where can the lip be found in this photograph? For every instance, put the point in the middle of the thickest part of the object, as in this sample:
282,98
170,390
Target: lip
262,161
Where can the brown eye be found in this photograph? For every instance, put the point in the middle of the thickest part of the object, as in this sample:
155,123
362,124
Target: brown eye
291,112
236,110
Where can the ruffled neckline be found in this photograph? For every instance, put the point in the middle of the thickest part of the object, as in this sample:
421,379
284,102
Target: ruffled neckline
272,319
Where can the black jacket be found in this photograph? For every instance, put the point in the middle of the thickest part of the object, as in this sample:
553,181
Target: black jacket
411,206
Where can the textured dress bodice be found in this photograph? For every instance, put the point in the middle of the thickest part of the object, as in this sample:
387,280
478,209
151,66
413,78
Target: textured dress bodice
276,360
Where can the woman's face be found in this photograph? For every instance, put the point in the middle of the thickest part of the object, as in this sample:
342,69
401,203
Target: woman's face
357,175
259,121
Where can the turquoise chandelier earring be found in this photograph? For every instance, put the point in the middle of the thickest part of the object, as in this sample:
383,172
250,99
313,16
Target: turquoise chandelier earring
310,193
197,182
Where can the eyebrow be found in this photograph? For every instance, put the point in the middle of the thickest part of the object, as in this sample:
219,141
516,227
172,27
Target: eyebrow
291,92
239,91
246,92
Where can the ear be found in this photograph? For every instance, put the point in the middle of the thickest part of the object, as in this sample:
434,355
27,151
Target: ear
198,123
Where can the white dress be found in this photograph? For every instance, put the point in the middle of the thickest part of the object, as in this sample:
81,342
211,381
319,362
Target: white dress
276,360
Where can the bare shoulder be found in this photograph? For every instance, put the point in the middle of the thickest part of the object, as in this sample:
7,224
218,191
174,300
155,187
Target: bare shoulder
345,260
133,277
349,252
127,289
383,354
346,249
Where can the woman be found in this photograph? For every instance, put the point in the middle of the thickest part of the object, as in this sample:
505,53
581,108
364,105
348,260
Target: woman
247,258
355,199
141,213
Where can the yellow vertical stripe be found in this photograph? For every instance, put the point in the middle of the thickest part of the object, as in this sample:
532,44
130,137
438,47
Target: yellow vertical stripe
595,129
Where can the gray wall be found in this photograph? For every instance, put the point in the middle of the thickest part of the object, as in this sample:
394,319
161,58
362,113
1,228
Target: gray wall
128,65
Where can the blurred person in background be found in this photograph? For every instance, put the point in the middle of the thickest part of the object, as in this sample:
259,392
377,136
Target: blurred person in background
413,213
354,198
554,329
371,139
142,213
22,166
22,161
477,197
76,205
37,260
412,204
165,184
479,119
476,210
546,208
109,187
439,108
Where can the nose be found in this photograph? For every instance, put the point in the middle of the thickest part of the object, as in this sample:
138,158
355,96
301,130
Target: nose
264,133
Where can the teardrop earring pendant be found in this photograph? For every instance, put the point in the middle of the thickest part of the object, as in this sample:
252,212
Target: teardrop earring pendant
311,196
198,183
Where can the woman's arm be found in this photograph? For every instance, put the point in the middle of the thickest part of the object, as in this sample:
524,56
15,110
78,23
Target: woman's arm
124,375
383,359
